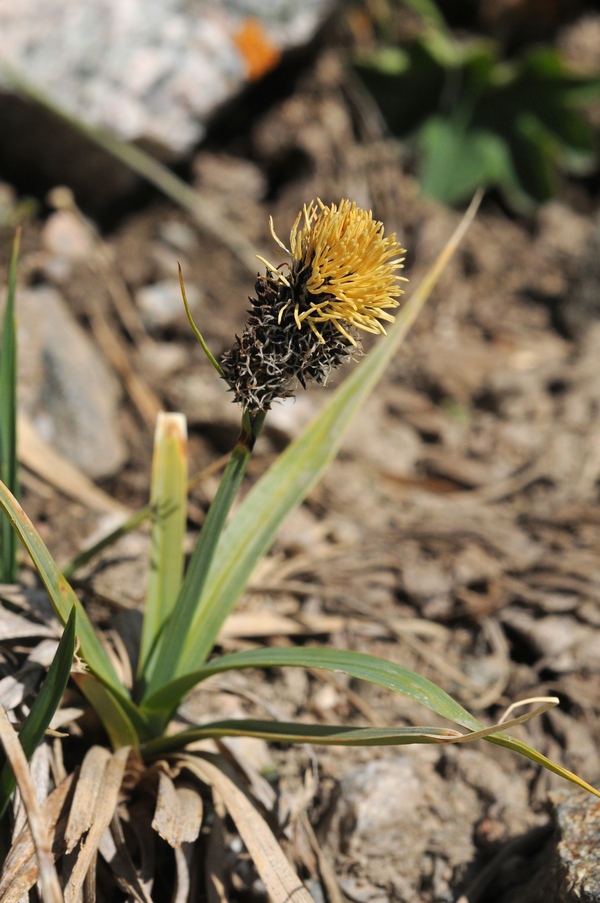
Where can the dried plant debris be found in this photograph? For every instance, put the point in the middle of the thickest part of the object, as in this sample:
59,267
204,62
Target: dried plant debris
113,812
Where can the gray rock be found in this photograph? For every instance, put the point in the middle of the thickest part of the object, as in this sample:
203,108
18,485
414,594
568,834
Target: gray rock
160,303
567,870
64,385
150,70
391,813
577,857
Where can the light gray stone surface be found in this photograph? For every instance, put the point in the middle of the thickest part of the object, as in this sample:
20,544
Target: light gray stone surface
146,69
65,387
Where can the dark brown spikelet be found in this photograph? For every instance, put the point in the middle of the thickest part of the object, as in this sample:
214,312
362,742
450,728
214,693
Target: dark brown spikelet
273,355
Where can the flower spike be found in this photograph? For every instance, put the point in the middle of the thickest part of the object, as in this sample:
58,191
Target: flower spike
343,277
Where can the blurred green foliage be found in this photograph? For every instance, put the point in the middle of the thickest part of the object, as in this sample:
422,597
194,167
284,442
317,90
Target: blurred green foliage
476,119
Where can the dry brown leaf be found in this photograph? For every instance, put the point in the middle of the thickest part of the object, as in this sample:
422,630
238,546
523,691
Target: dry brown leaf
39,771
138,815
178,813
325,868
259,787
14,688
20,870
283,884
184,857
215,863
89,885
88,786
109,785
50,887
114,850
13,626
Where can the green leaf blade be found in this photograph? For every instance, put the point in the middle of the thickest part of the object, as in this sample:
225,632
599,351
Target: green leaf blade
8,418
356,664
166,659
291,732
529,752
123,724
168,501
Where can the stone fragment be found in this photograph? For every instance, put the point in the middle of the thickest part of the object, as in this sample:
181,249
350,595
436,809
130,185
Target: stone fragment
577,857
66,236
567,870
160,304
65,387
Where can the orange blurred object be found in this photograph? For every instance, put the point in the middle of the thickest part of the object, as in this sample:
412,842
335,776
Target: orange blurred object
254,44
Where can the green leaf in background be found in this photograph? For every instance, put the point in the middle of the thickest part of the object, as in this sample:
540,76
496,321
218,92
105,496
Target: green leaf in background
109,539
44,706
8,418
455,161
168,499
479,120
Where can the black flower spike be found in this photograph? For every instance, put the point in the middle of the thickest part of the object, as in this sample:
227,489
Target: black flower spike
342,277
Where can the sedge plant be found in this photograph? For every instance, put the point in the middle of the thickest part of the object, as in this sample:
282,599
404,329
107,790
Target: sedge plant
306,319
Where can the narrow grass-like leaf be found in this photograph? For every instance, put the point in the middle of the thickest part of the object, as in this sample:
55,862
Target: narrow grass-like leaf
355,664
291,477
332,735
50,891
359,666
328,734
524,749
281,882
164,663
44,706
121,722
290,732
64,600
168,498
8,418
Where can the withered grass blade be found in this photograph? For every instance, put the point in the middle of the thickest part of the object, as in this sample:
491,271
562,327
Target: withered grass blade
114,850
21,870
49,884
215,864
326,869
184,860
178,813
106,803
283,884
89,784
89,885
